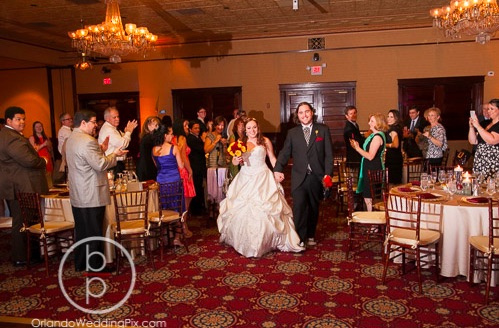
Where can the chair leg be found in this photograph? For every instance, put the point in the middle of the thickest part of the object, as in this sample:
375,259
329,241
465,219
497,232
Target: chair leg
437,260
46,256
387,259
418,268
489,276
471,273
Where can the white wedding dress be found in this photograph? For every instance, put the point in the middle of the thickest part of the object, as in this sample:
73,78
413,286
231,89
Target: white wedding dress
255,217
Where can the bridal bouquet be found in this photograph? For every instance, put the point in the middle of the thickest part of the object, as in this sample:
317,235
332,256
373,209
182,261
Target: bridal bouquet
236,148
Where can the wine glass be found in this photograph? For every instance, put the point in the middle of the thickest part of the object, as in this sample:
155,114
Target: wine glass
441,176
433,178
451,186
491,186
424,181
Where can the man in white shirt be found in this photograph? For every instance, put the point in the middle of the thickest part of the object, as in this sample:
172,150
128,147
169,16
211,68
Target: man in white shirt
117,139
64,133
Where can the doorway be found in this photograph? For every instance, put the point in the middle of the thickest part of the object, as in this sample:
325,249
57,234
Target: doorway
127,104
329,100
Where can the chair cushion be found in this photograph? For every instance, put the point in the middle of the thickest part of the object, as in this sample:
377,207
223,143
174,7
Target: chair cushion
130,227
5,222
167,216
380,206
52,227
408,237
365,217
481,243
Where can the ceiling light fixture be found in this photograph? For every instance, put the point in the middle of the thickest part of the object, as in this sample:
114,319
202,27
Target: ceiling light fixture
110,39
479,18
83,63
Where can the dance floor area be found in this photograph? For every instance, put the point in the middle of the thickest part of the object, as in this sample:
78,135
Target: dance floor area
213,286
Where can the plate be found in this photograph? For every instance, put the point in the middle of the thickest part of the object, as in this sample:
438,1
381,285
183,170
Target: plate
431,197
475,200
407,190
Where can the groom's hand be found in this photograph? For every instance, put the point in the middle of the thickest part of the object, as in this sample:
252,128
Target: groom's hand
279,176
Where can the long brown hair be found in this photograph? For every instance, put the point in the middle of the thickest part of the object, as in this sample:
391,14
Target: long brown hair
44,136
259,136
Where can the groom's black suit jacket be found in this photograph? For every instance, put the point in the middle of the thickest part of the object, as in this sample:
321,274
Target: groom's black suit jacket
318,154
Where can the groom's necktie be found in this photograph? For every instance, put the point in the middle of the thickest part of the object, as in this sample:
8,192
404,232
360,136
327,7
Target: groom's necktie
306,132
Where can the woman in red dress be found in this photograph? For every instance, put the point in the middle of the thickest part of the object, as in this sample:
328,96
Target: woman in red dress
43,146
180,131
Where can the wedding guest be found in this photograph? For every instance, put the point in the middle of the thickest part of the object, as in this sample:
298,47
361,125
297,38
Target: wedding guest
310,145
394,160
414,124
201,119
352,131
487,140
215,144
255,217
235,114
146,169
434,137
372,155
168,160
180,131
21,170
236,134
117,139
66,127
197,160
89,191
43,146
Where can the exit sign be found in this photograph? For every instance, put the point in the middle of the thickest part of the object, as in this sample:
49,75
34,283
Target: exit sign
316,70
107,81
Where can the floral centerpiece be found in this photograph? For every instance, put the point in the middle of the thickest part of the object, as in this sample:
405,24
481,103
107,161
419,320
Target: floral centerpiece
236,148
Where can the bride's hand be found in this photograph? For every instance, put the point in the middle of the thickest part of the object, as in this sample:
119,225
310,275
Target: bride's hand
236,160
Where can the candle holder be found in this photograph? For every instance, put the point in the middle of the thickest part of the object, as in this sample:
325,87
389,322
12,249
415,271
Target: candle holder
467,187
458,172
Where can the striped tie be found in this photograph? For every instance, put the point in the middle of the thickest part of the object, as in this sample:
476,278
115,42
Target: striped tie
306,131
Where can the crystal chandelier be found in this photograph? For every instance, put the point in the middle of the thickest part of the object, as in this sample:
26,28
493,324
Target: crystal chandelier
83,63
110,39
479,18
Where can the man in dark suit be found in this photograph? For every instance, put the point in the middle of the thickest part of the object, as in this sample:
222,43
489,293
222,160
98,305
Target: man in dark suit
310,146
351,131
21,169
198,165
412,125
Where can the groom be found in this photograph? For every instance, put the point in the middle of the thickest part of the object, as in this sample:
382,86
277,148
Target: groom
310,146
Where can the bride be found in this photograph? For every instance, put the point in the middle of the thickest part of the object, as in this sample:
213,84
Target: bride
255,217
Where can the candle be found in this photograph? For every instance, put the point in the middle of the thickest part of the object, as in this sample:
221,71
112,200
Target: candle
458,171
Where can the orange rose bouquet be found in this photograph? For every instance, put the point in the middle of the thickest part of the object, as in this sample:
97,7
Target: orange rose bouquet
236,148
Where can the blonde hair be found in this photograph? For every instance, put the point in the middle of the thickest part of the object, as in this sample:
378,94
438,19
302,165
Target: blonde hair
380,119
145,126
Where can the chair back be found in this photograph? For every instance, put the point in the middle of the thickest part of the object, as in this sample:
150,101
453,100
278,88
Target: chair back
349,169
493,222
378,183
31,209
403,212
53,209
445,158
171,196
414,170
131,206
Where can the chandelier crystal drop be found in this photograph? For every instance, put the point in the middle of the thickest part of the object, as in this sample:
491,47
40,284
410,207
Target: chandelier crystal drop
479,18
110,38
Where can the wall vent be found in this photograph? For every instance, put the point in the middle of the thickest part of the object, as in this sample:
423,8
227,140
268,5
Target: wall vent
316,43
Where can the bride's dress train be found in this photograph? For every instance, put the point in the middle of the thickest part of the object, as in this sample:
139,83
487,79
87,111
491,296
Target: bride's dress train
255,217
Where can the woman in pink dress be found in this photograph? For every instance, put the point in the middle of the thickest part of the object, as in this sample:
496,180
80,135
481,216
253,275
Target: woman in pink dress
180,131
43,146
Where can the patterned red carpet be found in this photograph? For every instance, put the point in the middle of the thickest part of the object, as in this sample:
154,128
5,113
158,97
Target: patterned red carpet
212,286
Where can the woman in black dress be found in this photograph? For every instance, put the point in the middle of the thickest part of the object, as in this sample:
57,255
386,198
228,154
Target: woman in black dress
372,154
393,157
146,169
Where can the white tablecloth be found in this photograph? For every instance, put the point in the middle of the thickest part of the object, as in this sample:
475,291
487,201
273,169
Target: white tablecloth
53,204
456,221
